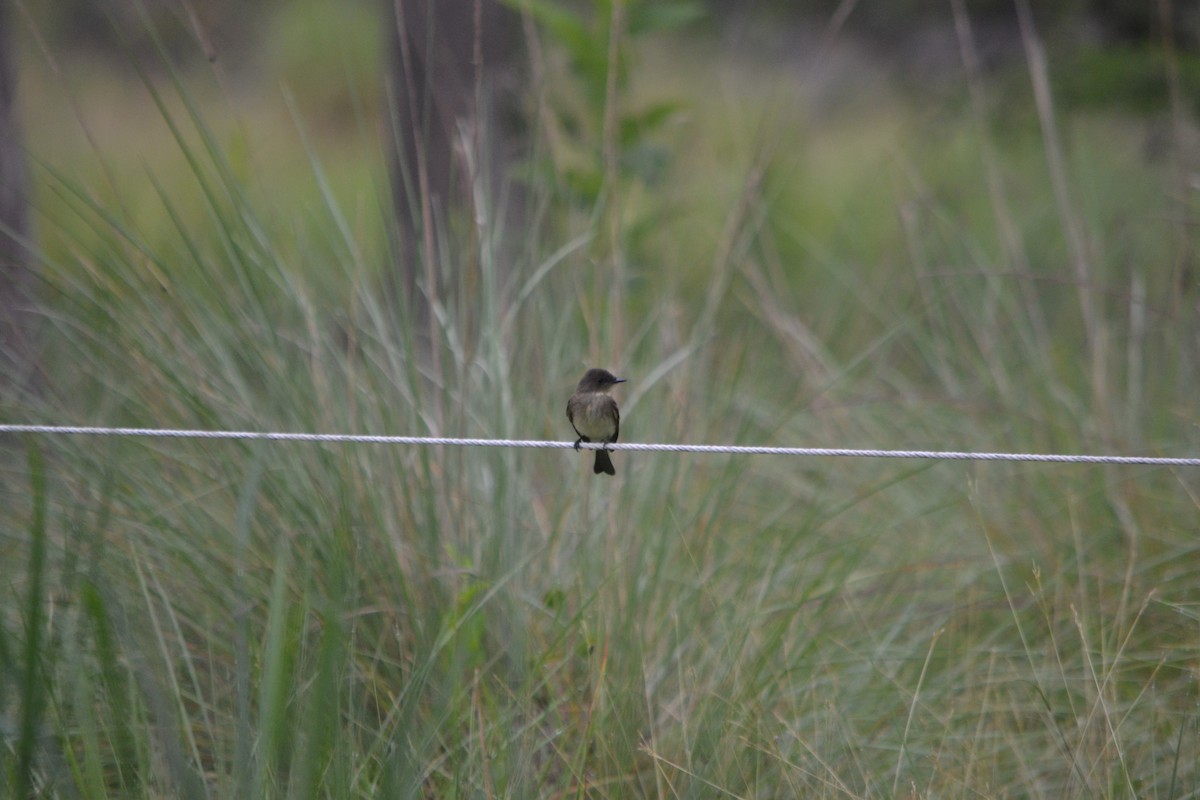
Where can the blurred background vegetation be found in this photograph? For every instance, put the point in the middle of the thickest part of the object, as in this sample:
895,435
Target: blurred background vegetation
950,224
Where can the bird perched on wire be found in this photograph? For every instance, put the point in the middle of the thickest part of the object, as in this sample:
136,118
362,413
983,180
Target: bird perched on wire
593,414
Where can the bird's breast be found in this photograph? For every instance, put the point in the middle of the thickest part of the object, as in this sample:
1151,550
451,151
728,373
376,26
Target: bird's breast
595,417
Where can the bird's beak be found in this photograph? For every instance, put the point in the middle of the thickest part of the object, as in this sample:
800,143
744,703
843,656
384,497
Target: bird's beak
620,380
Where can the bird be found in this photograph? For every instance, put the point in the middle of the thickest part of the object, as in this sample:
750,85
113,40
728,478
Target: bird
593,414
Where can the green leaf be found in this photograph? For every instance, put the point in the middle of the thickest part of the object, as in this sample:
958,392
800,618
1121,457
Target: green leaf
647,162
584,184
638,124
665,16
566,28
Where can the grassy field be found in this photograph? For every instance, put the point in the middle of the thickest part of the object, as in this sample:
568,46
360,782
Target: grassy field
841,261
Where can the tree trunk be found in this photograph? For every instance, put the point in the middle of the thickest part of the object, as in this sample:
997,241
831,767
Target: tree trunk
16,277
453,91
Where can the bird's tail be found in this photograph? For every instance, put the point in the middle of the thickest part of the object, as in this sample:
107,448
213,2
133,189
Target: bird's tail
603,463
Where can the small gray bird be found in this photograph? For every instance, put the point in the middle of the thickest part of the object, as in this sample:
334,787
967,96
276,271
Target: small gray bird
593,414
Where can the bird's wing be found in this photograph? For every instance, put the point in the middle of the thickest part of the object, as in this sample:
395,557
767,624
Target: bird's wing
571,419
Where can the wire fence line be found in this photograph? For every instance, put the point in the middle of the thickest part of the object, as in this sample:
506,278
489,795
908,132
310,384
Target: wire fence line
815,452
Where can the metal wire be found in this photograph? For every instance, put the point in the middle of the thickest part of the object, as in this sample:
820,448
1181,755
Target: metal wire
816,452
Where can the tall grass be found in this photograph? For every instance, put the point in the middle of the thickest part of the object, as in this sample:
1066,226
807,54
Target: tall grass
249,620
